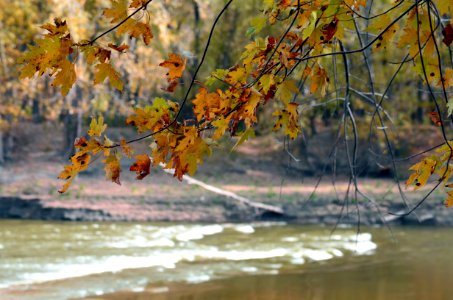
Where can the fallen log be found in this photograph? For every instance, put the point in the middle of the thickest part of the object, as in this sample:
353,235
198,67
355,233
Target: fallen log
258,205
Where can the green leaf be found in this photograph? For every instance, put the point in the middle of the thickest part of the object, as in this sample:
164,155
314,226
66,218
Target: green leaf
268,4
216,75
246,135
257,24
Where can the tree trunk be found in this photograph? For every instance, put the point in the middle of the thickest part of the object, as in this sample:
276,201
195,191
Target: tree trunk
36,111
8,148
70,133
2,152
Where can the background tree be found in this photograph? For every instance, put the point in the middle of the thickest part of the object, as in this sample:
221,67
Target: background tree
336,64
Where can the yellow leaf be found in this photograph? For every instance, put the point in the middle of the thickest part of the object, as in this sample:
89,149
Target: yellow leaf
268,4
355,4
422,172
221,125
445,6
66,77
118,12
85,146
97,127
126,27
68,174
105,70
51,54
288,119
107,144
80,162
59,29
236,75
248,110
266,81
285,90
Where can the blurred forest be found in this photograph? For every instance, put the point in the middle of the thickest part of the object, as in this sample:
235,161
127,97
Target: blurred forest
182,27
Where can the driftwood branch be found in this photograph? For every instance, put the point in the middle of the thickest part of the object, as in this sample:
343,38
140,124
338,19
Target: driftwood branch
228,194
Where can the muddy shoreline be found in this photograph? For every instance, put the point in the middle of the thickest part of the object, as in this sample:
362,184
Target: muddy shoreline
219,209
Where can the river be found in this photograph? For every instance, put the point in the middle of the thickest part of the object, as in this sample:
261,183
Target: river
57,260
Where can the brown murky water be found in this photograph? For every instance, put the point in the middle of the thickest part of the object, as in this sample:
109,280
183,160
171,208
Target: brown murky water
49,260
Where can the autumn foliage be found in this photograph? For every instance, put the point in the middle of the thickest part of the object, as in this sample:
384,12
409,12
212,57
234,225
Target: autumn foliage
272,70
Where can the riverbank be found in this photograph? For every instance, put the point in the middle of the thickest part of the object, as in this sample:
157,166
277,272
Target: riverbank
218,210
28,190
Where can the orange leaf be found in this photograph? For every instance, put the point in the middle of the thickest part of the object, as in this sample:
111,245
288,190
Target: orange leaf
137,3
112,168
141,166
435,118
449,201
127,150
141,29
120,49
175,65
172,85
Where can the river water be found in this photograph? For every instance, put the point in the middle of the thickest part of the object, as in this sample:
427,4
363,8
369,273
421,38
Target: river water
53,260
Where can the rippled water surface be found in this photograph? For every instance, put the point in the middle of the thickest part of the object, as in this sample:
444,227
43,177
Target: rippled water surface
48,260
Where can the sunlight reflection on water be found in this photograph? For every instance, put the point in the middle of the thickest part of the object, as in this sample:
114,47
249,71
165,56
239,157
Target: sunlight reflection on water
193,253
